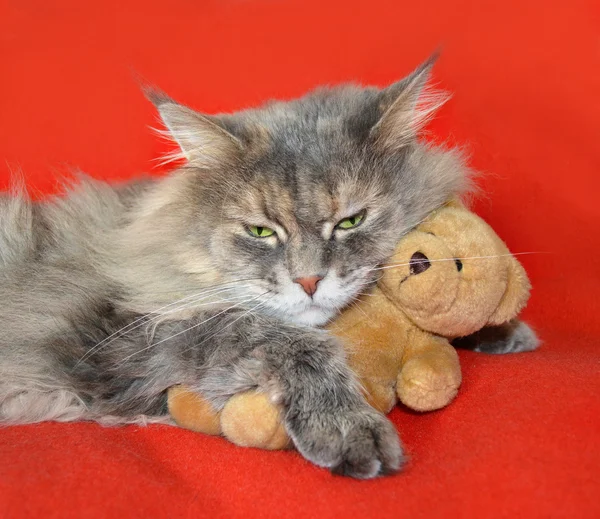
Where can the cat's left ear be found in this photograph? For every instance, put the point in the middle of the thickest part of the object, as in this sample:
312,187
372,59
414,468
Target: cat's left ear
204,143
407,106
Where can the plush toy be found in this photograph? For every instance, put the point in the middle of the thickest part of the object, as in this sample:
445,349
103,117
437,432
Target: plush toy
448,278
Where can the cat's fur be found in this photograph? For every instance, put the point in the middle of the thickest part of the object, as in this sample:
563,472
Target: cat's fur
111,294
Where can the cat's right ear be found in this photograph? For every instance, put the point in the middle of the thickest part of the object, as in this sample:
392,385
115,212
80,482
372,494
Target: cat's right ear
203,142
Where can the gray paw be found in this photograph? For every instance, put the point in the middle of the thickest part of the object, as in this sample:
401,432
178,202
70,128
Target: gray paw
522,338
361,444
513,337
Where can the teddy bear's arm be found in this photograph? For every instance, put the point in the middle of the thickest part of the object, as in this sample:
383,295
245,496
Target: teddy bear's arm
377,370
375,351
248,419
430,375
374,333
191,411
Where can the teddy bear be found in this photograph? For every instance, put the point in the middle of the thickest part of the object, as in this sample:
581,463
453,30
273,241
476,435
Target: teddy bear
448,278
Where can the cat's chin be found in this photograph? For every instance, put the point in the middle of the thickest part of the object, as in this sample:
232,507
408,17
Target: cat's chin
314,316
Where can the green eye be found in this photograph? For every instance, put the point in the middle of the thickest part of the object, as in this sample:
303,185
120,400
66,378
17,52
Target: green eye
351,222
260,232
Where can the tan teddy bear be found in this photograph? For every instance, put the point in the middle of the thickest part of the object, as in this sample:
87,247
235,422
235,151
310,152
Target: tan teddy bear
448,278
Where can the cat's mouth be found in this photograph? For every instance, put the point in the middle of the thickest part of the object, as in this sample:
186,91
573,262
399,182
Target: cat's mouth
291,304
310,313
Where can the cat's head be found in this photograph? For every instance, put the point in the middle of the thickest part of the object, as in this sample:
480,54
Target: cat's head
300,200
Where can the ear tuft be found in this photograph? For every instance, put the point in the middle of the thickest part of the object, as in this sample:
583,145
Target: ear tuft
154,95
407,107
203,142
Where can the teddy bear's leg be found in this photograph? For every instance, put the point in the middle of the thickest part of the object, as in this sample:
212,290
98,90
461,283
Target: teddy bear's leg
250,419
191,411
430,375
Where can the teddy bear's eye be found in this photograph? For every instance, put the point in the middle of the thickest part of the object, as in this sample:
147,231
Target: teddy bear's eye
459,264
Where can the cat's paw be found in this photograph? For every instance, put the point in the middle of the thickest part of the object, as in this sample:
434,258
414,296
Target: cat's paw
520,338
512,337
361,444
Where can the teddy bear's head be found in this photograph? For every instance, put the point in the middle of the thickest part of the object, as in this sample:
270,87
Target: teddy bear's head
453,275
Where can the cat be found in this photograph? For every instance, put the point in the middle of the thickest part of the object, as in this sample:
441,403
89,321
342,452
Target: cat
220,274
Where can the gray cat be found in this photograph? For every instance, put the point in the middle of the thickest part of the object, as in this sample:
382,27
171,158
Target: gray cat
219,275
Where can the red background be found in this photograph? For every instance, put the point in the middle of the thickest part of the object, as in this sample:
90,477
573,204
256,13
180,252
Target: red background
522,439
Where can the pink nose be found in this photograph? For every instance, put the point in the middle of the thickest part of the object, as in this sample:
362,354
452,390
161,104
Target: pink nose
309,284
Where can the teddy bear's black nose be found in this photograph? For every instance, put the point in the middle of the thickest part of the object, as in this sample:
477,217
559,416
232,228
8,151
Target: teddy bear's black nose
418,263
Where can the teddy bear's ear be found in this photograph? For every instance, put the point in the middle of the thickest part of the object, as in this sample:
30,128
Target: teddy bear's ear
516,295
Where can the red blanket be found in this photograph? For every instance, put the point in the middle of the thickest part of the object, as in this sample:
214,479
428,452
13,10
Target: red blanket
522,439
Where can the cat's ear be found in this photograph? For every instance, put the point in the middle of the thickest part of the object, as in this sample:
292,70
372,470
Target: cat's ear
407,106
204,143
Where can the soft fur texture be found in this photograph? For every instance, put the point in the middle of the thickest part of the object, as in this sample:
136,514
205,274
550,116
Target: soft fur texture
448,278
113,294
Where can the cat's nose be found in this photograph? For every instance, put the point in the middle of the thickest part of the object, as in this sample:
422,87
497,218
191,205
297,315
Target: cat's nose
309,283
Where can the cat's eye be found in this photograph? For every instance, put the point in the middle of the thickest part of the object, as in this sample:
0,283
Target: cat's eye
260,232
351,222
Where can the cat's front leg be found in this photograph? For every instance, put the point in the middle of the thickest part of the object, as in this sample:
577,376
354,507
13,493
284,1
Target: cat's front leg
304,370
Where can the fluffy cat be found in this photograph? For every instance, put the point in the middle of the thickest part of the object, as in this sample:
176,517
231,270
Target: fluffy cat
218,275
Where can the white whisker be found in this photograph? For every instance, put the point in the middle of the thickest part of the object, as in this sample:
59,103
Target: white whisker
146,319
249,311
395,265
355,304
190,328
157,320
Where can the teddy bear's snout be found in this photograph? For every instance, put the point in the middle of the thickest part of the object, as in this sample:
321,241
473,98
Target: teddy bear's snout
419,263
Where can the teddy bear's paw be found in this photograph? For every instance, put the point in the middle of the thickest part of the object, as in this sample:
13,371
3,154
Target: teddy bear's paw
424,386
361,444
380,394
191,411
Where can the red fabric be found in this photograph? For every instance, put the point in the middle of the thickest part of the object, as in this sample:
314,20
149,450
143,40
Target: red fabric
522,438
